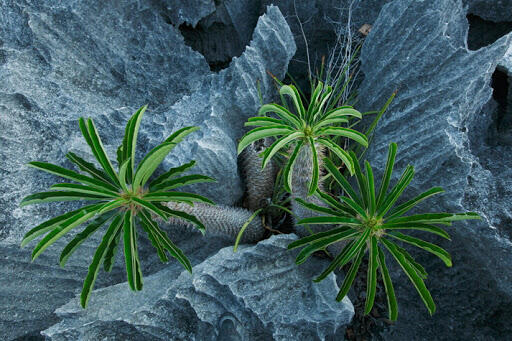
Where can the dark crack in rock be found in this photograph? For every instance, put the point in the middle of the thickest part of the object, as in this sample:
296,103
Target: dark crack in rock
440,120
258,293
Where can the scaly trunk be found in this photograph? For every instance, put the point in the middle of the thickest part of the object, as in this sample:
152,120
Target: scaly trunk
259,182
220,220
301,177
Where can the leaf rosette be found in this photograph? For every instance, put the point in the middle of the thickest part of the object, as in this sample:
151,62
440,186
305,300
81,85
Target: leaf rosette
123,199
369,222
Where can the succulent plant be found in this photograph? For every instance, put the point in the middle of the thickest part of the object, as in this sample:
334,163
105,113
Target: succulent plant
122,200
369,221
303,128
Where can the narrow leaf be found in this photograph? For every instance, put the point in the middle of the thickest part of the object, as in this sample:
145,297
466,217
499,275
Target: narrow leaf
288,169
260,133
388,286
432,248
315,173
351,274
371,283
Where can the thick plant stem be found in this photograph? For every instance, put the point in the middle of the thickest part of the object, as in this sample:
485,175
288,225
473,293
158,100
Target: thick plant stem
259,182
301,177
220,220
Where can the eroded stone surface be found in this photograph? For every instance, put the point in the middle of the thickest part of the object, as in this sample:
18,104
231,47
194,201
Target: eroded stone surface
258,293
440,120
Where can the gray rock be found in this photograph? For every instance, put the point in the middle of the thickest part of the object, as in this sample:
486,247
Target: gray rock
440,120
104,60
258,293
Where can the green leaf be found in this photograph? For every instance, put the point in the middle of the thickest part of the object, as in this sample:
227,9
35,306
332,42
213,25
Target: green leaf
435,218
182,181
78,218
416,226
99,151
130,250
148,205
109,259
43,197
291,91
388,286
371,285
317,236
244,227
260,133
179,135
345,132
315,173
361,181
168,244
89,168
343,111
314,97
277,145
131,132
330,220
182,215
114,227
330,122
413,276
353,205
263,122
150,163
177,196
395,193
282,112
122,174
351,274
171,173
327,199
340,179
387,174
84,189
72,175
154,240
339,261
111,205
405,207
371,188
432,248
322,243
420,270
49,225
81,237
288,169
343,155
317,208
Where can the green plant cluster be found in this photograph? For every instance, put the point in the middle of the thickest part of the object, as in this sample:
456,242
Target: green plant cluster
367,221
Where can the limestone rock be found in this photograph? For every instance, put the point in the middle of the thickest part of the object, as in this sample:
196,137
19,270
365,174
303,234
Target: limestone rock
441,120
258,293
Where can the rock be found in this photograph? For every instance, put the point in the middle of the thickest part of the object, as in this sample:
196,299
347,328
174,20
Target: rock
440,120
230,296
59,62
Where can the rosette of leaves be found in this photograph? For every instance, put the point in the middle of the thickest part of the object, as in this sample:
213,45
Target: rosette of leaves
304,127
122,199
369,222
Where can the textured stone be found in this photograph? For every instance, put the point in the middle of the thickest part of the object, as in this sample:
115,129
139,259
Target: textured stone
441,119
258,293
60,61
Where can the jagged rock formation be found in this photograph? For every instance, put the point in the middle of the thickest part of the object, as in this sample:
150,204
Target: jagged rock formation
257,293
440,120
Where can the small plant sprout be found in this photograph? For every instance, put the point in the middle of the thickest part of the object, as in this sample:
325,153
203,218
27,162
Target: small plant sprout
305,127
122,199
369,221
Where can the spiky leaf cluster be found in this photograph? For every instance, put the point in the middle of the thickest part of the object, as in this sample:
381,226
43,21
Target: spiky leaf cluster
122,200
304,127
369,222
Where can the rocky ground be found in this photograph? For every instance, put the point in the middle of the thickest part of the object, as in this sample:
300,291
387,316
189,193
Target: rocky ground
205,63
